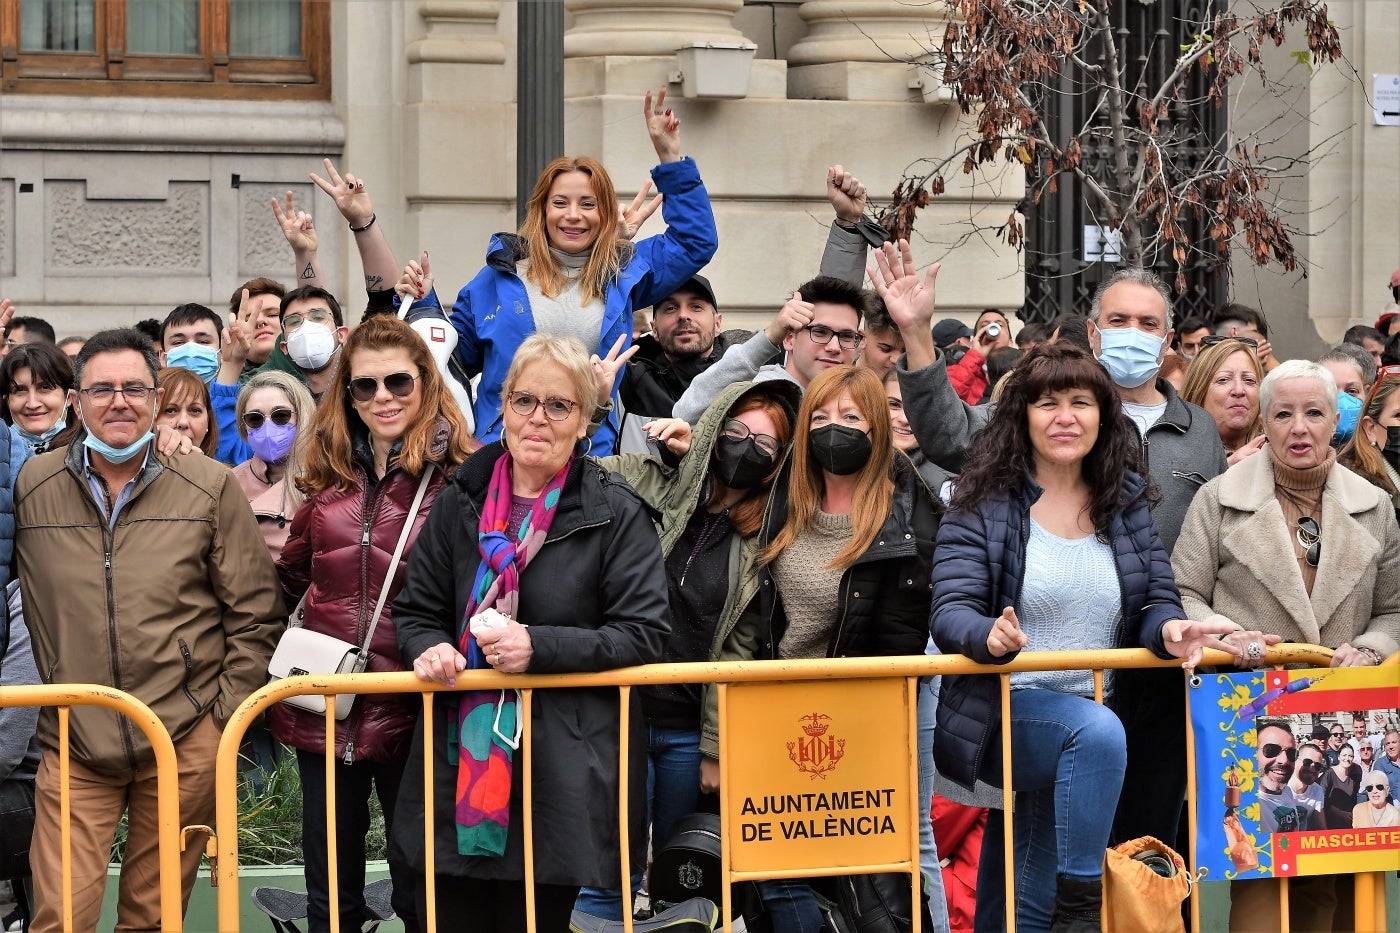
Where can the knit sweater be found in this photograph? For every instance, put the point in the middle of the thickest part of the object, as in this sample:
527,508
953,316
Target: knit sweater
809,586
566,314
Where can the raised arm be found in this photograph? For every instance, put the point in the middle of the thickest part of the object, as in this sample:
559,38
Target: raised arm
943,423
351,198
300,231
665,261
663,126
223,390
851,233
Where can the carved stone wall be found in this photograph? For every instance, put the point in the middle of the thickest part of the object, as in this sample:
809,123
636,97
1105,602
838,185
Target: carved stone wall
148,204
7,222
85,235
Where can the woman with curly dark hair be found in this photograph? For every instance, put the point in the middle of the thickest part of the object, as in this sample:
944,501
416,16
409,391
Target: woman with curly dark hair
1049,544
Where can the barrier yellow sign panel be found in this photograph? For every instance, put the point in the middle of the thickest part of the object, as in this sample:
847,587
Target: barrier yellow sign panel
819,774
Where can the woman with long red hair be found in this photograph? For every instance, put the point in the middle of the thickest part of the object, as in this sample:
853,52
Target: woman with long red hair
572,269
386,437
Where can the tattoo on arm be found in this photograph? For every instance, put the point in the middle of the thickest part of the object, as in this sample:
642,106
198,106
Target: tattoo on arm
373,282
309,272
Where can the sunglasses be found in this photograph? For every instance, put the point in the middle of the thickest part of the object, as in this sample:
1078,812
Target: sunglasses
1370,787
1310,537
1273,751
555,408
1213,340
364,388
1314,765
280,416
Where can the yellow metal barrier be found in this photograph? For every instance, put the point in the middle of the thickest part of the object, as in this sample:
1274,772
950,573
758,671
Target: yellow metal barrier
170,839
1370,890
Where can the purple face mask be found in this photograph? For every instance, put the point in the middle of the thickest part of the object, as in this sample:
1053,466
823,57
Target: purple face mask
272,442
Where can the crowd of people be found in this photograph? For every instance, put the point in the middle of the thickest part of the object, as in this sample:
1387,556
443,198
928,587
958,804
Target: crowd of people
548,477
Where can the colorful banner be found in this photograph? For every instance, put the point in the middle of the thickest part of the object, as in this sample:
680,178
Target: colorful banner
1297,772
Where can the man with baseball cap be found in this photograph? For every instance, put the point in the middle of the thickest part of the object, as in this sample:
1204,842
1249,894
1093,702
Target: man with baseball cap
685,339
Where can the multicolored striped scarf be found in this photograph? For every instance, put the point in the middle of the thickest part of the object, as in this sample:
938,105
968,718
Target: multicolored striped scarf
484,750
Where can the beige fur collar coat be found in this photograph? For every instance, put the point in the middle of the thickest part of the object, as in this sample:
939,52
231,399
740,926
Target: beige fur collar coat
1236,557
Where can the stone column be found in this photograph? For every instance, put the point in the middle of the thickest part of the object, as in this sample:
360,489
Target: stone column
454,130
647,27
862,49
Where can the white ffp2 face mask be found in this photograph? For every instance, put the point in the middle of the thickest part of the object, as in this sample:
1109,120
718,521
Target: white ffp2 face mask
311,346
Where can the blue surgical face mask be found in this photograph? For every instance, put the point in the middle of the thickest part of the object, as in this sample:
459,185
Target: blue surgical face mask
1131,356
1349,412
117,454
35,440
198,358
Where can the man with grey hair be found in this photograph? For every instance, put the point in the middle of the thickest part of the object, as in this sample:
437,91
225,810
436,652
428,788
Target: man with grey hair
166,591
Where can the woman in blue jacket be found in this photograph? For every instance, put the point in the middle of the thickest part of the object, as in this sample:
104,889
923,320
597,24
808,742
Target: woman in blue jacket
571,270
1049,544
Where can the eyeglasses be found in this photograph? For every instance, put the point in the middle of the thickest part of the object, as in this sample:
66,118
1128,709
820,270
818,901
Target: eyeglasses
103,395
1273,751
765,442
1310,537
291,322
1213,339
1370,787
555,408
364,388
279,416
846,339
1314,765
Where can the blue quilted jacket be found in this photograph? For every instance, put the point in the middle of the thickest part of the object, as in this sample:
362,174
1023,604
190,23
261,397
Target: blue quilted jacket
978,566
492,313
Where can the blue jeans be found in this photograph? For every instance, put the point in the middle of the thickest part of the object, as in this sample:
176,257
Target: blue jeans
928,848
791,906
1069,754
673,792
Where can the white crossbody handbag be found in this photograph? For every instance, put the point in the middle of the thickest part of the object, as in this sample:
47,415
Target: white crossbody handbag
300,651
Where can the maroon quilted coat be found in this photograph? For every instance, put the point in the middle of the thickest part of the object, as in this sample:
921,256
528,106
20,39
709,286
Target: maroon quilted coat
340,544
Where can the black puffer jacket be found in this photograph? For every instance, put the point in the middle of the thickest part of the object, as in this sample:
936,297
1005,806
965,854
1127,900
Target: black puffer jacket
594,598
979,566
885,594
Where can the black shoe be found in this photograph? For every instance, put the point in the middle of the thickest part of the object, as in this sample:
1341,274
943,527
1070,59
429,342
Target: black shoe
1077,905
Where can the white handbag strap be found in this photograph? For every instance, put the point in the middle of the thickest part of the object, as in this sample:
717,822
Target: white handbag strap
363,658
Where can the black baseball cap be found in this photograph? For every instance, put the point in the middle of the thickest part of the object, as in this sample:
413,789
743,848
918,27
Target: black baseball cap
698,285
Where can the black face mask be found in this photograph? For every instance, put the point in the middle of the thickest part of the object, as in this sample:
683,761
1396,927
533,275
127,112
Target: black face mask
740,464
1391,450
838,449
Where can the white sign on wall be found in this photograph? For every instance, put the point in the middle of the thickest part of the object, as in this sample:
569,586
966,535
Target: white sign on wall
1385,98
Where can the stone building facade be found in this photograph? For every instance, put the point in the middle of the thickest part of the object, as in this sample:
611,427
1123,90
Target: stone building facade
117,205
